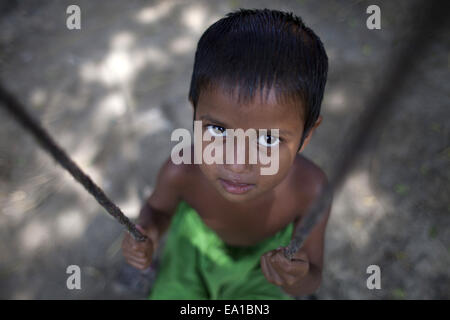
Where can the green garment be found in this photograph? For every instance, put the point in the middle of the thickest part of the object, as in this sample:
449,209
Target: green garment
196,264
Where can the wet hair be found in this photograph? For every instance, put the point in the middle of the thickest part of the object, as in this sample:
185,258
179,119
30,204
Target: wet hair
252,50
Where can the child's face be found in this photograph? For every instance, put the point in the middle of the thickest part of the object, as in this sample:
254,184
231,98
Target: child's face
221,110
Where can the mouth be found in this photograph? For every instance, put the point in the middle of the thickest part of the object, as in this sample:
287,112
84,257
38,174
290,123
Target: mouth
236,187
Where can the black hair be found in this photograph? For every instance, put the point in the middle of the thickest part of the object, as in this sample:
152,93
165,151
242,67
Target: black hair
249,50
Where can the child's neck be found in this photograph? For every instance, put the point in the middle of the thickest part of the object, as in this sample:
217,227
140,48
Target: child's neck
262,201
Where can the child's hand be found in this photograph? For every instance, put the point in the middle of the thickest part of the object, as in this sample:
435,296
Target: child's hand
139,254
281,271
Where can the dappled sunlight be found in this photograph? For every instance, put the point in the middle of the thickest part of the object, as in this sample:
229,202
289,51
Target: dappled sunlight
182,44
33,191
154,13
38,97
123,62
335,100
84,155
71,224
150,122
111,107
357,209
123,41
34,235
16,206
194,18
117,71
117,68
131,205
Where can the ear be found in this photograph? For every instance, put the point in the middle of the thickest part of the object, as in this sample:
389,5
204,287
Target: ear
308,138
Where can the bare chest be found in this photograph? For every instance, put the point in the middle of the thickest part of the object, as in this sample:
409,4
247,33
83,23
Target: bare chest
244,227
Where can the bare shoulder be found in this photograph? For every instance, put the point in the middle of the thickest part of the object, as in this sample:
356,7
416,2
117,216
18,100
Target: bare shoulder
173,174
172,183
308,178
176,175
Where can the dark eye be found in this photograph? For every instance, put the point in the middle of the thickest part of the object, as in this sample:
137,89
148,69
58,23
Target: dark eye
216,131
268,140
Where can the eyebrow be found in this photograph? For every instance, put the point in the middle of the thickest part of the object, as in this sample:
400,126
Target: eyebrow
285,133
209,118
222,124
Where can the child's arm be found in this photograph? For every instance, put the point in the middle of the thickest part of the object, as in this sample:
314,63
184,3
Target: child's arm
157,211
303,275
155,216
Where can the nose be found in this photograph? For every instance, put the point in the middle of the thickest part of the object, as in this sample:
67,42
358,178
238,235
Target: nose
234,165
237,168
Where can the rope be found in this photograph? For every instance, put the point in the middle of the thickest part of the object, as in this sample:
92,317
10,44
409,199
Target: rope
19,112
432,19
431,16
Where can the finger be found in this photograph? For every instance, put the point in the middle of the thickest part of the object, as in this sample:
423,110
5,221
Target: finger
274,259
141,229
126,240
288,268
300,256
131,255
285,269
277,279
138,265
273,277
150,233
129,239
137,260
135,252
268,272
298,267
130,242
290,271
142,245
291,280
281,266
139,251
298,264
126,247
145,250
265,269
139,254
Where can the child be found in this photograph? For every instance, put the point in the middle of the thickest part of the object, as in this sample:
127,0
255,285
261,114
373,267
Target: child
227,223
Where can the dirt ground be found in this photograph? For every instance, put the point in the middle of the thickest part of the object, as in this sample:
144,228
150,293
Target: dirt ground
111,94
